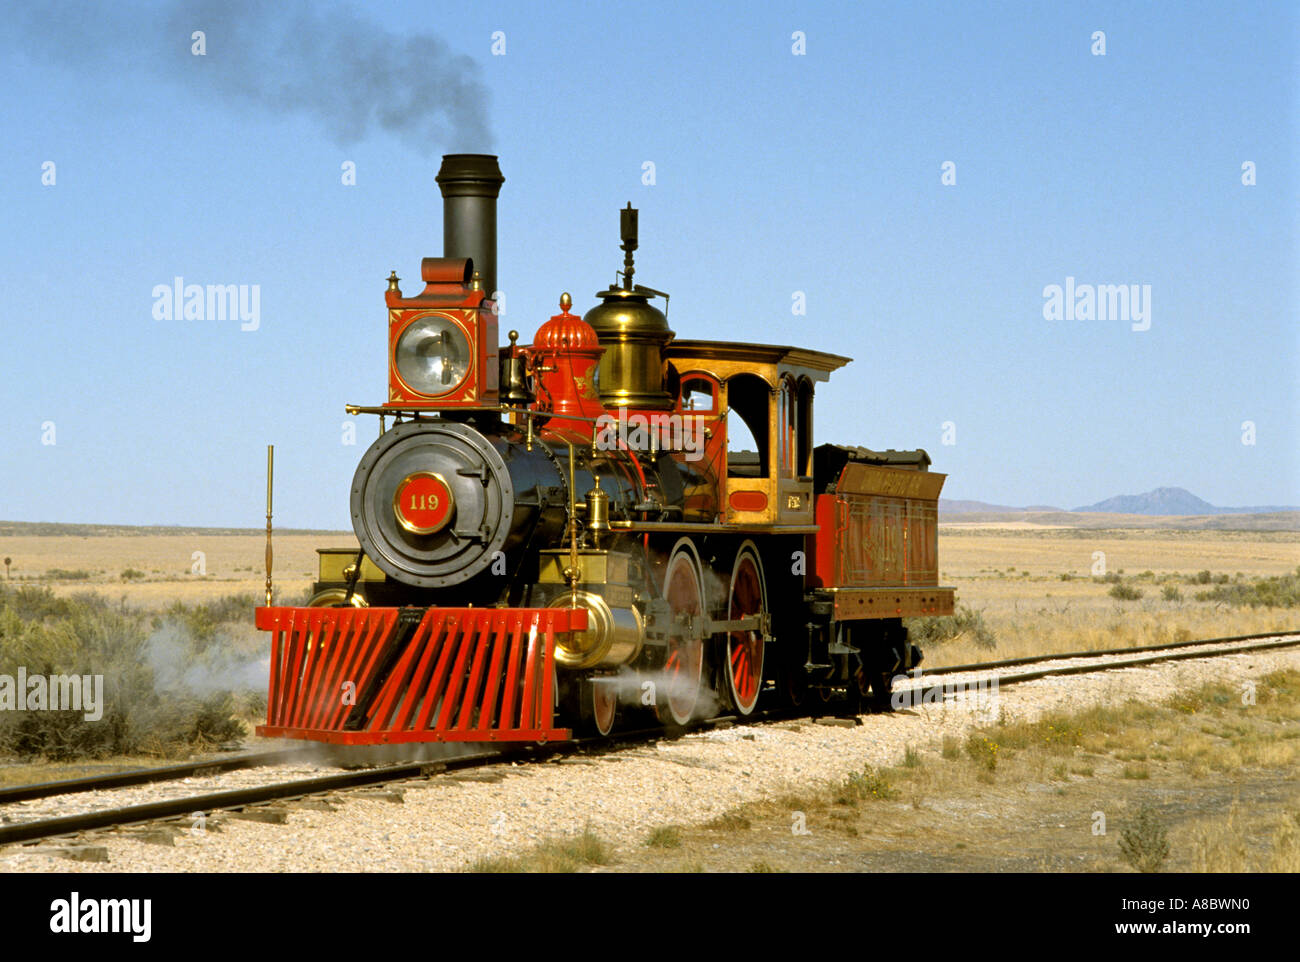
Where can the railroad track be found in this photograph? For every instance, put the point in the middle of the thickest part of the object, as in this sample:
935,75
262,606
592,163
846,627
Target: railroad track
240,798
1101,653
144,776
251,797
225,801
94,783
1165,652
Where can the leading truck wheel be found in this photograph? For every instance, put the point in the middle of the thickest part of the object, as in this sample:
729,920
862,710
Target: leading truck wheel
599,704
743,670
679,689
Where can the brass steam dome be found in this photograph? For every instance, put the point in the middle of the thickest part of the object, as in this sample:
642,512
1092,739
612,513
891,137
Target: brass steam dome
633,332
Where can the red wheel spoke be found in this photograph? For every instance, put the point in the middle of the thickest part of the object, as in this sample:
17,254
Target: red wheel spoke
684,592
745,654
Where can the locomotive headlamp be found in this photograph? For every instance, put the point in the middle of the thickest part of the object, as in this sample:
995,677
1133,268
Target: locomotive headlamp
432,355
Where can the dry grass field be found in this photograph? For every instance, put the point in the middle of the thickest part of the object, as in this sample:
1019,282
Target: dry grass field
1036,592
165,563
1033,585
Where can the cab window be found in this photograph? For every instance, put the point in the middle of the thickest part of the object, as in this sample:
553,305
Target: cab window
749,403
699,394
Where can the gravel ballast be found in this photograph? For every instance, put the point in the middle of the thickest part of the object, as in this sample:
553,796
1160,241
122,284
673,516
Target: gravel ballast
448,821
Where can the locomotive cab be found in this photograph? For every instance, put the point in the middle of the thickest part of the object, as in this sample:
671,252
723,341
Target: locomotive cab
770,389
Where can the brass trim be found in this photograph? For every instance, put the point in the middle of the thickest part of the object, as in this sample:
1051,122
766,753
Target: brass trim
333,566
686,527
885,589
414,528
425,410
821,361
614,634
334,598
594,566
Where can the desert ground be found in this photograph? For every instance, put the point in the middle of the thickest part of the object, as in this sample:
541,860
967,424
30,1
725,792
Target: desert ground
168,570
1022,588
1032,587
1045,589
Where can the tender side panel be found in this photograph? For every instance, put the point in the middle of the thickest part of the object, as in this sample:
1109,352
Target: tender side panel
877,545
865,541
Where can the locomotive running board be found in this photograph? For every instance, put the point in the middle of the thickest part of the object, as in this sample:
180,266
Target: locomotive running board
378,676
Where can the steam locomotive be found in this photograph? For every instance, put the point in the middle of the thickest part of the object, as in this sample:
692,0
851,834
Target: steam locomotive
559,536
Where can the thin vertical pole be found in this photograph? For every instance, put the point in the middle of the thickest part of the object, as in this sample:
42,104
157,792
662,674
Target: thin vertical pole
270,473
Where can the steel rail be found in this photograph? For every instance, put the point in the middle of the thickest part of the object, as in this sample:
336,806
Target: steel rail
1100,653
1001,680
216,801
143,776
234,799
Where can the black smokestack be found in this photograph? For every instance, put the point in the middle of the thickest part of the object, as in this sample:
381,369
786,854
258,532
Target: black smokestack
470,184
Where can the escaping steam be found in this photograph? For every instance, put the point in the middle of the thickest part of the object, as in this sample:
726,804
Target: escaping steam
290,58
642,689
232,660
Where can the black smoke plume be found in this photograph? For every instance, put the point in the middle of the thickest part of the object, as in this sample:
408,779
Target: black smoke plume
347,73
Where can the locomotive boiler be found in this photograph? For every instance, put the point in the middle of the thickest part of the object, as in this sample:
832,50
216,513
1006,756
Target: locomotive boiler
606,522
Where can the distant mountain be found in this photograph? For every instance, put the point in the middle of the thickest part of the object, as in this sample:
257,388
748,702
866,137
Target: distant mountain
968,507
1160,501
1167,502
1170,501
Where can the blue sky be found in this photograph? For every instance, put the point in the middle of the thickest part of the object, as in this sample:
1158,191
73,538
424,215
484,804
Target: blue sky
774,173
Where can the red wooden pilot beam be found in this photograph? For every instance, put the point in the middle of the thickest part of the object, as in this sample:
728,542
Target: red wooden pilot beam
372,676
